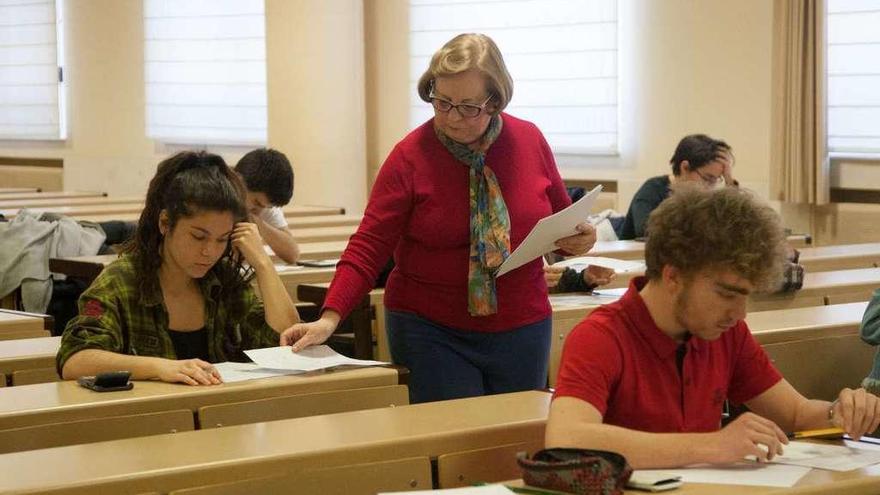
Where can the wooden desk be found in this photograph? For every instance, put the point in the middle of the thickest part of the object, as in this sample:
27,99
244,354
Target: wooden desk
18,190
87,268
40,203
119,209
28,354
321,234
169,462
24,195
58,402
820,288
20,326
623,250
294,221
786,325
840,257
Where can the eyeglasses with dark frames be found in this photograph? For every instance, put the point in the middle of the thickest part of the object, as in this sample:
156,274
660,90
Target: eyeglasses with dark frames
710,179
466,110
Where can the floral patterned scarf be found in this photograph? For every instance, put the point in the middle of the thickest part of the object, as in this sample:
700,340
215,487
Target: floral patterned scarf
489,221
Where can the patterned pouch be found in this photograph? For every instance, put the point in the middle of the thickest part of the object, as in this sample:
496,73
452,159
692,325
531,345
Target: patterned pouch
578,471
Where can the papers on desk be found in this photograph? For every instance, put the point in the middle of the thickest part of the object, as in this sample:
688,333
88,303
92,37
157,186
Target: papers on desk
469,490
619,266
239,372
284,267
852,455
309,359
542,239
576,300
744,473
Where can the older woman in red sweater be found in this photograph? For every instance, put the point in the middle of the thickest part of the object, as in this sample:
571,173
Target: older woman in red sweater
451,201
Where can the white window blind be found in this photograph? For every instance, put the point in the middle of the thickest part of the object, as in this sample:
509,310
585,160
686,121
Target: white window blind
31,90
853,66
562,55
205,71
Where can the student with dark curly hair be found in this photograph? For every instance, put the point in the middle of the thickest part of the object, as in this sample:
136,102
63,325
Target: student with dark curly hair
179,298
647,376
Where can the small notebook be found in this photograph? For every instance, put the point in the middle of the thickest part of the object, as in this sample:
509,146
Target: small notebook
653,481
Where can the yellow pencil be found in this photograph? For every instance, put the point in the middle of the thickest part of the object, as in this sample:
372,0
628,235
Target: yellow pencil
821,433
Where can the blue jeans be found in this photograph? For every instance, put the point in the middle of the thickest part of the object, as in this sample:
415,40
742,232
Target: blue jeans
446,363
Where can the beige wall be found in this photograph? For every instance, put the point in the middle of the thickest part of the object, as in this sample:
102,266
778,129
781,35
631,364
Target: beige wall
338,95
687,66
316,99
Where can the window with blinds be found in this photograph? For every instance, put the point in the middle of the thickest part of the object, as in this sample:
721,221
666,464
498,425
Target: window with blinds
205,71
31,86
853,67
562,55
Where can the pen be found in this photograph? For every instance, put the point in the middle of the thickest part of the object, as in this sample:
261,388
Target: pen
821,433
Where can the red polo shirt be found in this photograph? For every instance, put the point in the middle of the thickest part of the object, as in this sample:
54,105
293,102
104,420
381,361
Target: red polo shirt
619,361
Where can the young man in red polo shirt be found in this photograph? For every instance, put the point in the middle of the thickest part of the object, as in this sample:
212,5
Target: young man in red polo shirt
647,376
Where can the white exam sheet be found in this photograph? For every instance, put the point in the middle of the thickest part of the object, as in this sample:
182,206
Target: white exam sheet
619,266
852,455
239,372
743,473
542,239
309,359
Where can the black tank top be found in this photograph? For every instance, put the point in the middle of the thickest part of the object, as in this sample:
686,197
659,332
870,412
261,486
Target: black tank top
189,345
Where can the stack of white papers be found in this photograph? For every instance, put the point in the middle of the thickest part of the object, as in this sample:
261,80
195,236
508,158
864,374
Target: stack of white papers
619,266
853,455
543,236
744,473
309,359
238,372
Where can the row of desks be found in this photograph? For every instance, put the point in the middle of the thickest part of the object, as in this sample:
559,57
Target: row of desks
116,211
467,441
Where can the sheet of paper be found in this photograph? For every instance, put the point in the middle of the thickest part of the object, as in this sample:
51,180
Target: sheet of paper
470,490
542,239
239,372
619,266
309,359
284,267
831,457
745,473
573,300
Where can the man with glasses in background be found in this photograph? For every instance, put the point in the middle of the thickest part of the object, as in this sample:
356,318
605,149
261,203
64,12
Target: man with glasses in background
698,158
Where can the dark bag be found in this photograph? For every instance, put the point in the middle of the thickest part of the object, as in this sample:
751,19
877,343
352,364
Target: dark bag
579,471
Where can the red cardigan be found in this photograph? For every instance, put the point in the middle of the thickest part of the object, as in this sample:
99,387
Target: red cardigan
419,210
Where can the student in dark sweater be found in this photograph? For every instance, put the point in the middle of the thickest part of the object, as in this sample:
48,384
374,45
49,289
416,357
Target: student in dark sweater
697,158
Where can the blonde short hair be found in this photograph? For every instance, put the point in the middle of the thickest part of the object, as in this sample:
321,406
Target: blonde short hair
466,52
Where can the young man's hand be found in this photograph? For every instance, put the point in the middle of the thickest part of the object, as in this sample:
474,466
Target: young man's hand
747,435
856,411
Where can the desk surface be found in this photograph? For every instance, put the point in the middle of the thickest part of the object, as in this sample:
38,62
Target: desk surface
39,202
11,322
27,195
840,257
782,324
22,354
107,209
165,462
64,401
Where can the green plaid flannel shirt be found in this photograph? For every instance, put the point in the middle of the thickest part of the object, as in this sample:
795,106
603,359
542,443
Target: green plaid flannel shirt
114,316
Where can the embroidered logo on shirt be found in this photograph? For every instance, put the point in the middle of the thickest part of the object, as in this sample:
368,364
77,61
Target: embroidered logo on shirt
94,309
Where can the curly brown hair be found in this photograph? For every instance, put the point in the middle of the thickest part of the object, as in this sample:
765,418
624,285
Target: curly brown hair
696,229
